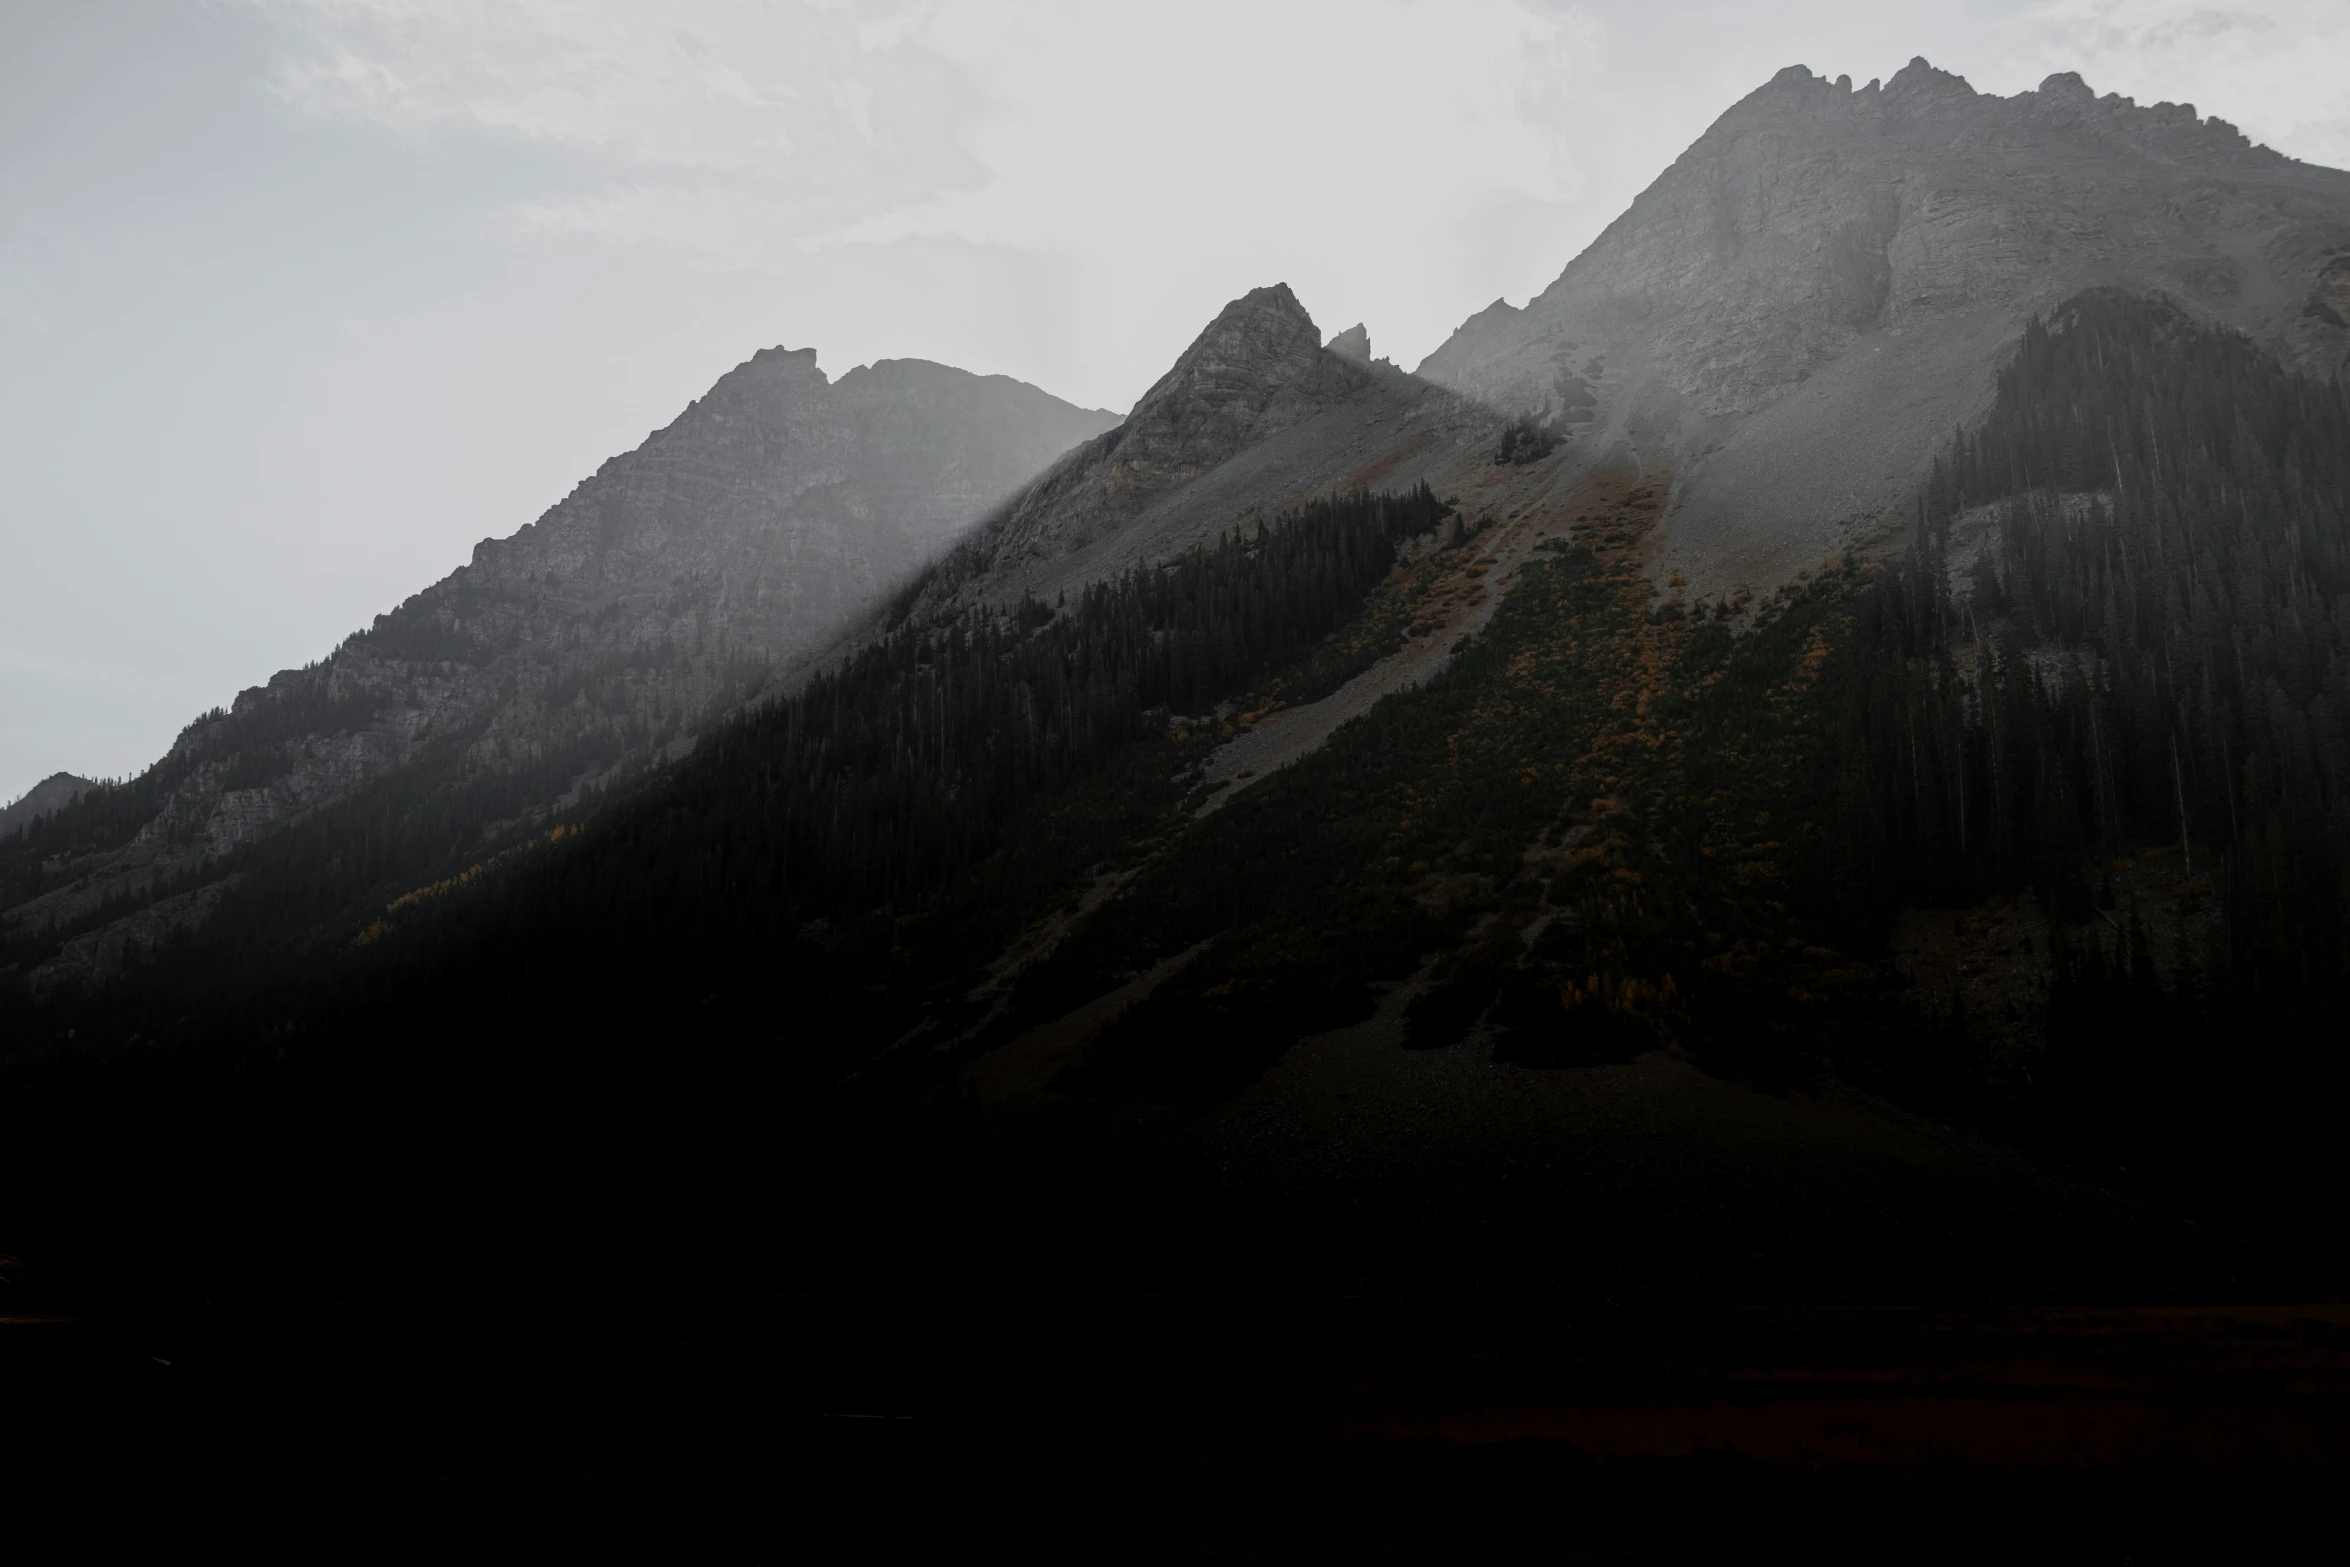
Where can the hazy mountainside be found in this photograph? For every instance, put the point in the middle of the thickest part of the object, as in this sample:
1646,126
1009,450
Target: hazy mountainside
51,793
1258,369
774,510
665,589
1821,288
1255,417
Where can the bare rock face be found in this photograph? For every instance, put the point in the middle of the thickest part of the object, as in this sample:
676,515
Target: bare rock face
52,792
1354,343
773,511
663,591
1822,286
1257,370
1257,416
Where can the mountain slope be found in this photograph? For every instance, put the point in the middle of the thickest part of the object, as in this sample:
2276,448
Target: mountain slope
665,589
1821,288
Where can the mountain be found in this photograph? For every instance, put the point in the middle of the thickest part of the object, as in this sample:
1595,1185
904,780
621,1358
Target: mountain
1255,415
1751,371
50,794
668,587
1325,755
1821,289
1333,882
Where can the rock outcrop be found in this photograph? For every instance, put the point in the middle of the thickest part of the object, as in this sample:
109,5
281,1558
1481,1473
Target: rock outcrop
1822,286
1354,343
679,579
1258,369
1255,416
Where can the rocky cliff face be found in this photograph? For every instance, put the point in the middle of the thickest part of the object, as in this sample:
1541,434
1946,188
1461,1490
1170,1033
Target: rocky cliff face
1258,369
1822,285
770,514
1354,343
734,544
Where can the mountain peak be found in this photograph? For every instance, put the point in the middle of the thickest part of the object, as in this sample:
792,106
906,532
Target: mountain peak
2067,87
1257,369
1273,298
1840,271
1920,77
1810,214
1259,340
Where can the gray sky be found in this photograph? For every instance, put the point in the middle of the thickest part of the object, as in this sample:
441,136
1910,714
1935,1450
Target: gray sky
301,298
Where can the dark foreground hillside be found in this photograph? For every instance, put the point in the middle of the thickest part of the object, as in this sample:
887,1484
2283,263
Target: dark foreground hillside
1672,1077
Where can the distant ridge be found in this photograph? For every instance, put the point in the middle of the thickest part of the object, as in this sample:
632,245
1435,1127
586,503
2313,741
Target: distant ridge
50,794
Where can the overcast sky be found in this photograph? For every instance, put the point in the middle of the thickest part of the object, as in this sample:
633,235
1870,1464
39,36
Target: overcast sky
301,298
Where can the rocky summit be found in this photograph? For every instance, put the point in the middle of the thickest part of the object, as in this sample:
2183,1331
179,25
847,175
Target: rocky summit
1821,288
1256,416
1258,369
